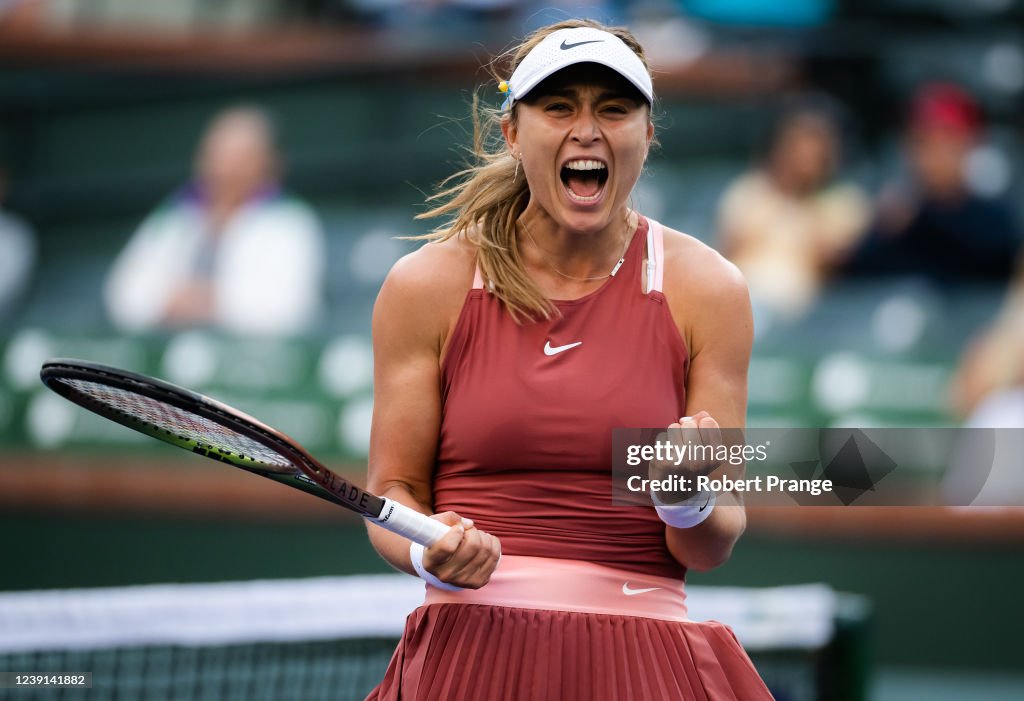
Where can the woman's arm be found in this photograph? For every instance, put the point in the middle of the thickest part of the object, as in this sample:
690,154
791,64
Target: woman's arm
709,300
410,321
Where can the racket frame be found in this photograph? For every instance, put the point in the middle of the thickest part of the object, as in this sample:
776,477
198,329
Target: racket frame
310,476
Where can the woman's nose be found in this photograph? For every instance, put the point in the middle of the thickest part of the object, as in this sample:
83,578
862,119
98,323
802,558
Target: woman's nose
584,129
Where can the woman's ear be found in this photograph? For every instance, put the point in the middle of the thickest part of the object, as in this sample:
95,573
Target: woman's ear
508,130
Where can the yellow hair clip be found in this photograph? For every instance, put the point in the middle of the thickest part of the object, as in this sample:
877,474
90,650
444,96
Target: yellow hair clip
504,87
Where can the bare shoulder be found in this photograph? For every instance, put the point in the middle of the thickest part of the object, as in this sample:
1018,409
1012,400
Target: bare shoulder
425,289
707,296
435,268
696,271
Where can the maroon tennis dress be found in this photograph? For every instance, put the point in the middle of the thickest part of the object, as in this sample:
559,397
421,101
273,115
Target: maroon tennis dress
587,602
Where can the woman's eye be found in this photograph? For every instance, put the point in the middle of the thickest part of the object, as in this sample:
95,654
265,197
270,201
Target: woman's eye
615,109
557,107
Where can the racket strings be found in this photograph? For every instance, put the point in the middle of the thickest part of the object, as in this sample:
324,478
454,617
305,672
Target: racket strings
178,423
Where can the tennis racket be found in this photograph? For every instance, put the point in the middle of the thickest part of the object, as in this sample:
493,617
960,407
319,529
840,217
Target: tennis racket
214,430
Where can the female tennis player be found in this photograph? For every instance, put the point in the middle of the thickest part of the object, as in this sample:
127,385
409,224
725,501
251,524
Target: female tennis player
543,314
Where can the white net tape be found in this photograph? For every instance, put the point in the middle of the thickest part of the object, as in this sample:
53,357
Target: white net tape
324,608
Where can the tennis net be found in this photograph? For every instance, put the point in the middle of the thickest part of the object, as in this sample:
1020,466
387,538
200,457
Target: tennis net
329,638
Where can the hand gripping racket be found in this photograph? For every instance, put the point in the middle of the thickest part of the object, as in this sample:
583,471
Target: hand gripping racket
206,427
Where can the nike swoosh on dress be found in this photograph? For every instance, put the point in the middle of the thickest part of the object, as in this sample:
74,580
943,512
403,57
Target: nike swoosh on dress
555,350
633,592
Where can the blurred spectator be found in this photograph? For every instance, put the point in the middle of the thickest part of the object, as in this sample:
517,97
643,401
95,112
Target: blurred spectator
17,255
934,226
229,250
994,361
988,392
786,222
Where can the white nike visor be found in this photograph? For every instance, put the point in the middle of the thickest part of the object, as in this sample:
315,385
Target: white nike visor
567,47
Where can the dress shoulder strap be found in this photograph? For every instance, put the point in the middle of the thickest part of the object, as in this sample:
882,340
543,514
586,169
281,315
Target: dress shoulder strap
478,277
655,256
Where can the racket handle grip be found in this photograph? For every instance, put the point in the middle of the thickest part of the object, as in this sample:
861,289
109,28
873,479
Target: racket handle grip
399,518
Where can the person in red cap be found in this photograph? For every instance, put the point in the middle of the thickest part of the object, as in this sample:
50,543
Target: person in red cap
544,313
935,226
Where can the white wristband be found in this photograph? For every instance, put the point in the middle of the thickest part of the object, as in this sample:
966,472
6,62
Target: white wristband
687,513
416,555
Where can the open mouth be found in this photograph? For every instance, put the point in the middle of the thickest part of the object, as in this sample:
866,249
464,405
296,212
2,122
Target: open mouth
584,179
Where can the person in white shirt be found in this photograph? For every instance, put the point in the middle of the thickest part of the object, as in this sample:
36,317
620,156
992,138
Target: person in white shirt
228,251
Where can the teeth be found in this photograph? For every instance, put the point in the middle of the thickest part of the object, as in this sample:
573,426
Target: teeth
585,165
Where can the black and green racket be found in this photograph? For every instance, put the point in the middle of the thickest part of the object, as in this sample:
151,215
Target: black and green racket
214,430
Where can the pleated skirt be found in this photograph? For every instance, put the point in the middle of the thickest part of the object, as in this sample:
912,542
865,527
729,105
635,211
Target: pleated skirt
472,651
454,652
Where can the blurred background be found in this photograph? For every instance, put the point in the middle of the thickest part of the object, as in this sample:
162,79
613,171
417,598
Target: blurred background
859,161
